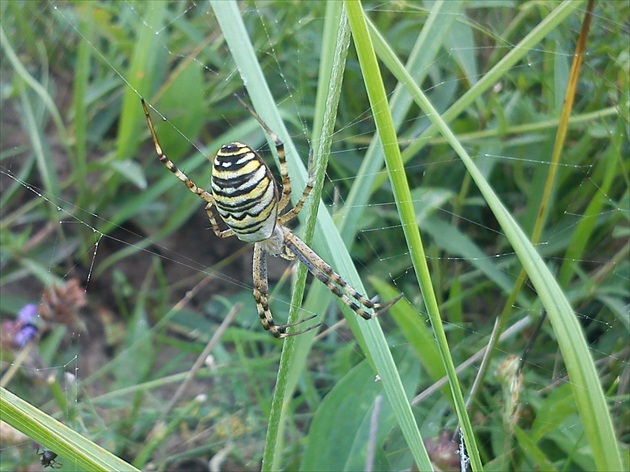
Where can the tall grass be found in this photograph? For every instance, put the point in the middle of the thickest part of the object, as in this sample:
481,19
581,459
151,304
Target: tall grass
436,120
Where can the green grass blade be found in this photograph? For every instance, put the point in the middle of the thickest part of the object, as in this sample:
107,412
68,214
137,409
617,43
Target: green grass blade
142,73
296,350
80,105
32,119
43,94
404,203
41,150
424,52
587,226
75,449
546,192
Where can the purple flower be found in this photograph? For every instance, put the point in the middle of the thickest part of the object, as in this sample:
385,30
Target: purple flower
23,329
24,336
27,314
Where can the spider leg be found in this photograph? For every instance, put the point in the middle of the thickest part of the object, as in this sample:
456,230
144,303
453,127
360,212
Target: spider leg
293,212
261,295
170,165
215,226
194,188
284,172
285,198
357,302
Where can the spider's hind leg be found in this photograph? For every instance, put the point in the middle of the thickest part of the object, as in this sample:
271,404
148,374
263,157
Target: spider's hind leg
261,295
383,307
357,302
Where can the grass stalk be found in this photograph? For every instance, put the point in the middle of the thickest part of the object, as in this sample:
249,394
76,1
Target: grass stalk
404,203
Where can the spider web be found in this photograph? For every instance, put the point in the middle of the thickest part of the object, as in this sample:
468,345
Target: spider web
149,270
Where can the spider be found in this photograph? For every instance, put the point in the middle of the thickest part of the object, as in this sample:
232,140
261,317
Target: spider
47,459
248,201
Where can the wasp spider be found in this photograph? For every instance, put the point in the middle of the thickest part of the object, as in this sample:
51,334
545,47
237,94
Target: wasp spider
247,199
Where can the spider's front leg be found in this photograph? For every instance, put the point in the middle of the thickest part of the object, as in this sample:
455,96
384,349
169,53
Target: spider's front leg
293,212
261,295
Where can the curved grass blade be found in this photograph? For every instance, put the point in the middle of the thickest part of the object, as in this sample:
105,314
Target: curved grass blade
56,436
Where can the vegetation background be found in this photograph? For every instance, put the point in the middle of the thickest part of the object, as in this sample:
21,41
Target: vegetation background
85,199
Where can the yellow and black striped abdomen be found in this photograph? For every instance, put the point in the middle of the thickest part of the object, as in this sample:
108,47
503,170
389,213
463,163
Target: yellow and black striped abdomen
244,192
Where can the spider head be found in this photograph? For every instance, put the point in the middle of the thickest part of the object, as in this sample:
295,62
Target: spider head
232,148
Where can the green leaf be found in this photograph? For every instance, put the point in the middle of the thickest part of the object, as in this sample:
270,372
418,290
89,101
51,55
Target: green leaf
185,111
342,444
553,412
138,346
460,43
535,456
130,170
